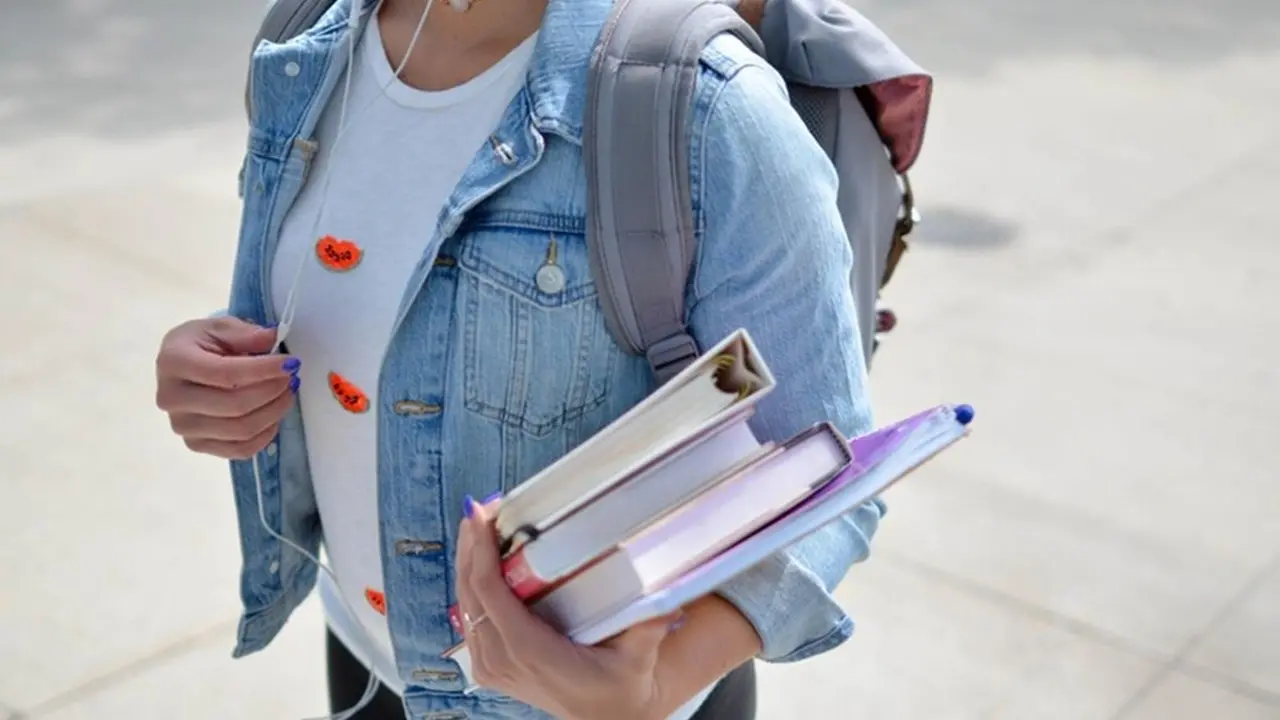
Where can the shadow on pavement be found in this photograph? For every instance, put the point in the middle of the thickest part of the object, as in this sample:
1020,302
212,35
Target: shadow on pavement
960,229
130,68
971,37
121,68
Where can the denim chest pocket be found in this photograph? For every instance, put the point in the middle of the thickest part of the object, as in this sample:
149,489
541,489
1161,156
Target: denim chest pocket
537,353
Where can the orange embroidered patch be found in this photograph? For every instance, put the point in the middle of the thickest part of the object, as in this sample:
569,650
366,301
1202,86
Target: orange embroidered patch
377,600
338,255
345,392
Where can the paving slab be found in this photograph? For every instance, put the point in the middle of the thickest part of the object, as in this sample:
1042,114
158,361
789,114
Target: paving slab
1246,644
1112,395
1064,562
1182,697
1078,145
117,540
924,648
1055,125
181,237
285,681
126,70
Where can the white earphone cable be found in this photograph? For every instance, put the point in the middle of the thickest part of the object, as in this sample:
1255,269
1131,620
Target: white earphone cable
291,300
290,305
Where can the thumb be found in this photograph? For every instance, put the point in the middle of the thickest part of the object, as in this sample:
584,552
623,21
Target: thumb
233,336
642,641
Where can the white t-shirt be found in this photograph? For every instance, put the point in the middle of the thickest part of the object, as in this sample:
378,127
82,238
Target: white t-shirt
369,209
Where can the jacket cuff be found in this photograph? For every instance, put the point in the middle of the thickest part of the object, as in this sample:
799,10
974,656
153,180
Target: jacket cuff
787,597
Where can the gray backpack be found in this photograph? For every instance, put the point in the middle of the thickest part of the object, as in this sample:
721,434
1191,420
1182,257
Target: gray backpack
862,98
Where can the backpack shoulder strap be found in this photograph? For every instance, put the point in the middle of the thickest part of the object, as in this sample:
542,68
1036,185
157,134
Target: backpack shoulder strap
285,19
636,148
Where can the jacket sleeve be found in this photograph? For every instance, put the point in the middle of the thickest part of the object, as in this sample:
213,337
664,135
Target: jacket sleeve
773,257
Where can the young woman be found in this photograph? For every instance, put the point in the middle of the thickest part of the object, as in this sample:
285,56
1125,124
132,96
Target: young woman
410,170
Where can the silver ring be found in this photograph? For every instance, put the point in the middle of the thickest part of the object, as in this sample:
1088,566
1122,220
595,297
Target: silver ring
473,624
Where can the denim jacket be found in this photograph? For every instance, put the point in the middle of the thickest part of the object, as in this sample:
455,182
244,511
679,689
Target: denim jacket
487,378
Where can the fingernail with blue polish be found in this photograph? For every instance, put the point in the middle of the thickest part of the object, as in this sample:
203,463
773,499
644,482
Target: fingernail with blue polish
468,506
294,384
492,497
291,365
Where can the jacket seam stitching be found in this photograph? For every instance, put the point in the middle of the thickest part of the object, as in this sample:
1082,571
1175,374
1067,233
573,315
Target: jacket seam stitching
700,200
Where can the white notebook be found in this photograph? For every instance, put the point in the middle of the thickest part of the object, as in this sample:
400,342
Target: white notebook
628,508
725,381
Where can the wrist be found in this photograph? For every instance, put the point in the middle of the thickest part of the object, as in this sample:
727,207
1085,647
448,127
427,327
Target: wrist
659,707
714,640
629,699
655,702
649,711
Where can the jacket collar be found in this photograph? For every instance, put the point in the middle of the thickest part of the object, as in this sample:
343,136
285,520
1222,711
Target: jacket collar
558,72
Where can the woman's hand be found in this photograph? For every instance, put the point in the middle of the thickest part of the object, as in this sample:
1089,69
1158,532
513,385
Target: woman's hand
223,395
518,654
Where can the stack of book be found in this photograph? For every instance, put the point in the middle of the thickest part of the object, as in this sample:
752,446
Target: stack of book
677,497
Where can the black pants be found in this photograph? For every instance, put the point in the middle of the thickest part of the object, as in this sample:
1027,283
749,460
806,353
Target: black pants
734,697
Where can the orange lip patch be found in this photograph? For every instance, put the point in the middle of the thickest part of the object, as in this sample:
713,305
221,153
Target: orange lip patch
338,255
377,601
346,393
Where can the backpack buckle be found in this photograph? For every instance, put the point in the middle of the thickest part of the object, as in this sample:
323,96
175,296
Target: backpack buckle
909,215
668,357
908,218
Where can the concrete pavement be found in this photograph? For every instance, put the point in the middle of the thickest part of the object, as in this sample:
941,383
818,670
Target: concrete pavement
1097,274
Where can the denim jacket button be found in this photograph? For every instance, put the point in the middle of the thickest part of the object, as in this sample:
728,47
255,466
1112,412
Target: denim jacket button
274,567
550,279
429,674
409,546
415,408
292,69
505,154
272,449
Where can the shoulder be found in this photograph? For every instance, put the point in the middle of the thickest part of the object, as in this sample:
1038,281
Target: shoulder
746,131
287,79
286,61
742,110
331,25
734,79
726,56
763,188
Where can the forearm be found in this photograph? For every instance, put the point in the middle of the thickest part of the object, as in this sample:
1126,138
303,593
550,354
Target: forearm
714,639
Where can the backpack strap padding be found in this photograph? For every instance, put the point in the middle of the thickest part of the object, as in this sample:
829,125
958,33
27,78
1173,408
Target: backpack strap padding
636,148
285,19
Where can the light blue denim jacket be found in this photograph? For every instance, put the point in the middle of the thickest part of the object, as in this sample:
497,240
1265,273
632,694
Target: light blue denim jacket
488,379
